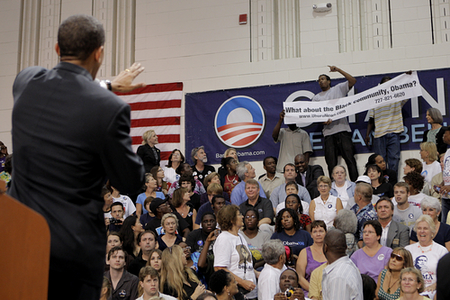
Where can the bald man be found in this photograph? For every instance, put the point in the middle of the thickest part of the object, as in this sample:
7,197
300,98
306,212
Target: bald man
341,278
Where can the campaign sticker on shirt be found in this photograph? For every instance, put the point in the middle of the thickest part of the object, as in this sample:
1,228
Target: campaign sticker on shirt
260,211
411,216
381,256
330,205
200,243
122,294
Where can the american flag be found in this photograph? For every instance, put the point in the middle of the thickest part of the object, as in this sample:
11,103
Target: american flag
157,107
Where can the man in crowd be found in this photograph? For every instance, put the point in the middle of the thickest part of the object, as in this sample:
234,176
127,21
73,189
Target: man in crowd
279,193
341,278
124,285
200,168
274,255
254,200
404,212
363,208
394,234
293,140
337,134
117,217
147,241
387,123
216,199
149,282
58,169
307,175
245,171
445,185
271,179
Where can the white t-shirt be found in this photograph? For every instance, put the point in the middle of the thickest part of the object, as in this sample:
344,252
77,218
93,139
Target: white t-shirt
428,171
417,199
342,193
426,259
326,211
231,252
446,171
128,205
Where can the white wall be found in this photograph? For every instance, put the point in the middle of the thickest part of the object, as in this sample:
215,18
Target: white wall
200,43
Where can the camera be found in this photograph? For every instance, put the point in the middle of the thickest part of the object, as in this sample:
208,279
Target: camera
115,221
289,292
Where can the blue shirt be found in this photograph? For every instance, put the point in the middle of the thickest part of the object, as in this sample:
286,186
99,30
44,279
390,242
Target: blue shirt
238,194
366,214
301,239
141,199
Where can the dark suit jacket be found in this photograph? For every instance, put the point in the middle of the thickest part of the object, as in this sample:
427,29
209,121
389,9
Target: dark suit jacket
312,173
145,152
69,135
398,235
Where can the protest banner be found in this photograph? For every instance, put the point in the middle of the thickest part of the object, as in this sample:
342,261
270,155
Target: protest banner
402,87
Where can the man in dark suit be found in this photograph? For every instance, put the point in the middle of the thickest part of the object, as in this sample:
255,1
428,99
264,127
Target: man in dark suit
394,233
69,134
307,175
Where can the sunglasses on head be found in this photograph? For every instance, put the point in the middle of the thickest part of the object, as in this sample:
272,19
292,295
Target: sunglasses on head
397,257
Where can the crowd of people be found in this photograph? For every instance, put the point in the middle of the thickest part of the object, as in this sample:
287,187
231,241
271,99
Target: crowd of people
194,233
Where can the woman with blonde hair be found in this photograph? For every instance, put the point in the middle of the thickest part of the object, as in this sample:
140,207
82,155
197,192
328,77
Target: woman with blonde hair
177,279
181,202
426,253
430,165
326,206
155,260
149,154
169,236
411,284
388,286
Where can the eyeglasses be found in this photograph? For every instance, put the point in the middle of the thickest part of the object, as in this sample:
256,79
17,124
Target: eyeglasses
397,257
250,217
368,231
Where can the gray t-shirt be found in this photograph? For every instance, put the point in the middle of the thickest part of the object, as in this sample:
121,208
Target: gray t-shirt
408,216
338,91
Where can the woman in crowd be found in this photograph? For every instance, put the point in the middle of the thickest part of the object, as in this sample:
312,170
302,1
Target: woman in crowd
128,205
434,135
158,174
223,284
149,154
176,158
211,179
185,175
150,191
287,229
291,187
181,202
229,153
412,165
130,230
112,241
411,284
293,201
312,257
177,279
106,289
416,183
231,252
373,257
155,260
388,174
388,286
347,222
431,206
228,178
426,253
379,185
430,165
254,236
326,206
169,223
341,187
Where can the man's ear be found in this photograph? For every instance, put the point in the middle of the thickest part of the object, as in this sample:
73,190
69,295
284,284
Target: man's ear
99,53
57,49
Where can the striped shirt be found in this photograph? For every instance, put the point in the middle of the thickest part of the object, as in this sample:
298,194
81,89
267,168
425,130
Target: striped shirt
342,280
388,118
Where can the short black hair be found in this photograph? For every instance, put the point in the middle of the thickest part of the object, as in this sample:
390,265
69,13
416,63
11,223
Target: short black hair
79,36
266,158
215,197
117,203
376,225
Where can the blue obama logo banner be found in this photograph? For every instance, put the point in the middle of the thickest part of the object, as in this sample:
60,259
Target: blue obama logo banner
239,122
244,118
